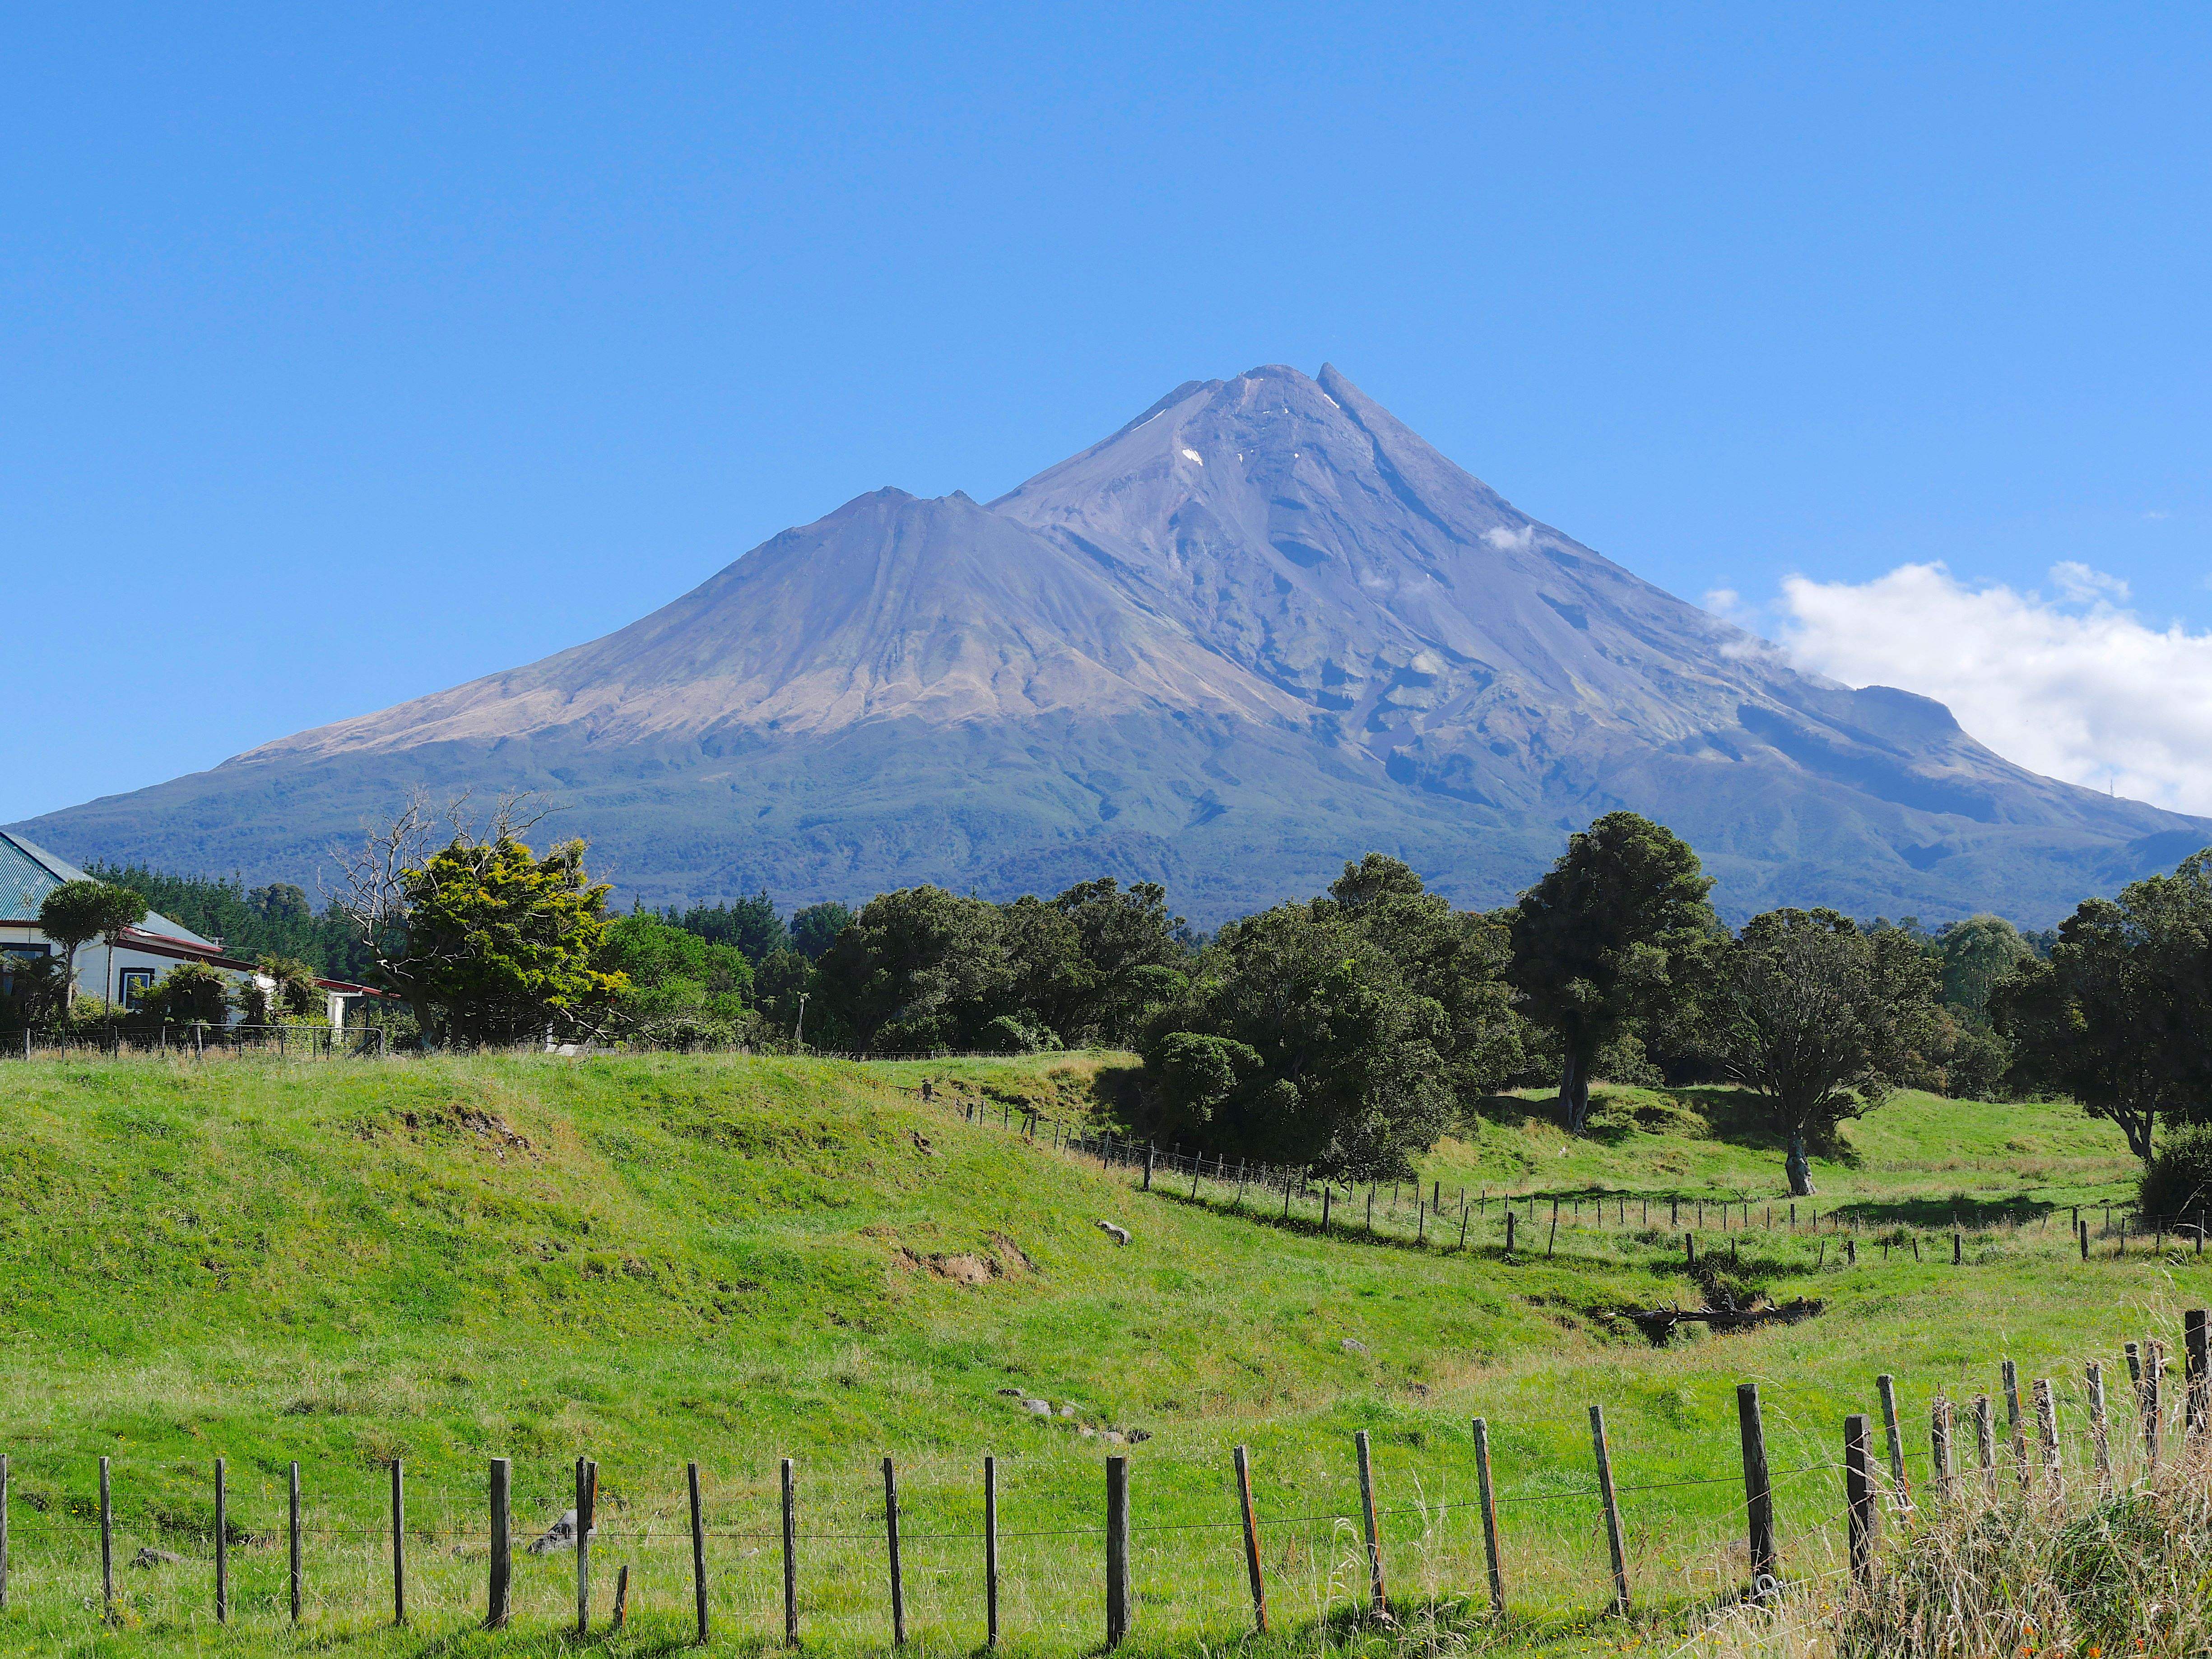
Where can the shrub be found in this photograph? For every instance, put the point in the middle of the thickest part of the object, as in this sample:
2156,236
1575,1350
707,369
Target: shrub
190,992
2179,1179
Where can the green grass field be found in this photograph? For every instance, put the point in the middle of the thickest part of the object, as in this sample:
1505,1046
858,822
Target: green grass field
656,1258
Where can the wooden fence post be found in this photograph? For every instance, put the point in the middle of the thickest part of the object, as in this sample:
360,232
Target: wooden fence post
584,1506
2015,1429
1985,1443
1939,1449
1488,1494
1462,1222
2100,1442
621,1614
1885,1387
2195,1363
294,1538
892,1541
1758,1490
222,1544
106,1546
1251,1542
701,1629
1379,1603
503,1560
2147,1398
790,1484
1148,1167
990,1552
1612,1510
1117,1550
2046,1434
398,1545
1858,1495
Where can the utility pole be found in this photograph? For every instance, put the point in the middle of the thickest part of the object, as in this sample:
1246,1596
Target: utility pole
799,1033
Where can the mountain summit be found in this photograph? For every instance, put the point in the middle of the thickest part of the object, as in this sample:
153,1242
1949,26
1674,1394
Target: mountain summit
1263,628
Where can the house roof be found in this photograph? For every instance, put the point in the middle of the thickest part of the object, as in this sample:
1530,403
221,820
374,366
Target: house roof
29,873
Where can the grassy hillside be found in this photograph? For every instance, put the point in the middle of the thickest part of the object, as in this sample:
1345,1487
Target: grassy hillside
657,1259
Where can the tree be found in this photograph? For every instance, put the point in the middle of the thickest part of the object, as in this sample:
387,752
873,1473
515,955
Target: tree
192,993
918,968
683,991
291,991
750,925
1455,957
1976,954
815,927
1301,1042
1618,925
1134,956
69,916
1820,1020
76,913
2117,1017
488,942
273,920
780,985
297,995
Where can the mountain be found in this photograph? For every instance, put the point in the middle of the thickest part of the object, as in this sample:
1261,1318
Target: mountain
1262,628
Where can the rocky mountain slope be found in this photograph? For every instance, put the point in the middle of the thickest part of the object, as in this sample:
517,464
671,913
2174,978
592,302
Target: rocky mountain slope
1261,628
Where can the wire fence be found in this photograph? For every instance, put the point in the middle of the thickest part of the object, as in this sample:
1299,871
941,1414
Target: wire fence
1530,1224
1508,1520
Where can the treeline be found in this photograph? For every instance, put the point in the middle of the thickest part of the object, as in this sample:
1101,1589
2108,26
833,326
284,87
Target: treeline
1345,1032
253,923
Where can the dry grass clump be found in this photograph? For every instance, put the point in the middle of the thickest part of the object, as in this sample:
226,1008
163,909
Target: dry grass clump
2124,1574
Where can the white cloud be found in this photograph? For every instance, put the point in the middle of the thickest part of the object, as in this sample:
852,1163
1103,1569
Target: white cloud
2079,583
2075,687
1511,541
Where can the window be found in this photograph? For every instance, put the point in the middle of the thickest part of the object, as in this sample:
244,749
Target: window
135,983
13,953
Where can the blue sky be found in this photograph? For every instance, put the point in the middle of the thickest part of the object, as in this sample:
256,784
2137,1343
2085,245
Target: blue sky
346,354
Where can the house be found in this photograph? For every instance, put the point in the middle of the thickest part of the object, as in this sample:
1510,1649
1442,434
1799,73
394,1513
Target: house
141,956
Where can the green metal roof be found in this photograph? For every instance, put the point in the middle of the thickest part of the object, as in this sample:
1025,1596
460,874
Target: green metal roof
28,873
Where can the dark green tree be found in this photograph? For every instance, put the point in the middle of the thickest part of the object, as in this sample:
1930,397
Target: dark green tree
1457,958
750,925
275,921
1819,1021
2117,1017
1301,1042
778,985
1617,928
815,927
920,968
1134,955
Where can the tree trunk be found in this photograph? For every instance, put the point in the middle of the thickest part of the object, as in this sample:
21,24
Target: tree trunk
1574,1091
1799,1166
